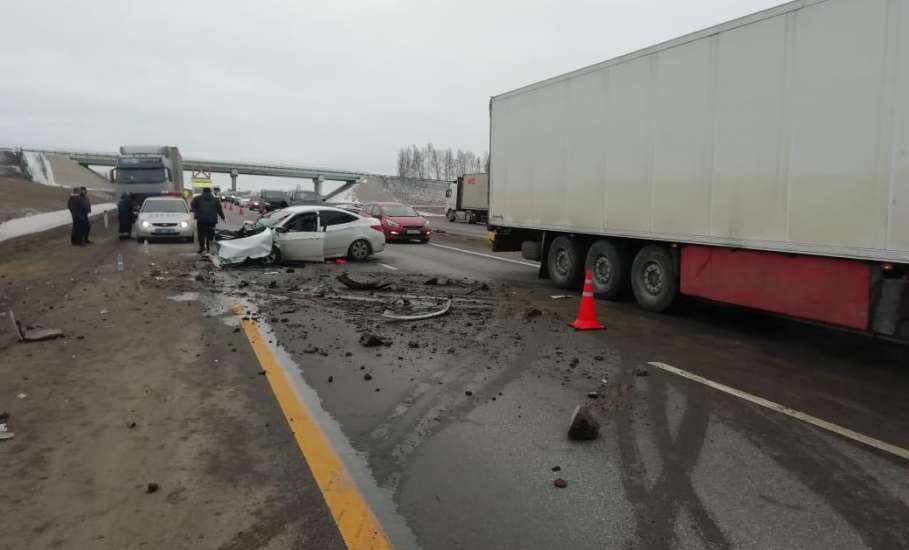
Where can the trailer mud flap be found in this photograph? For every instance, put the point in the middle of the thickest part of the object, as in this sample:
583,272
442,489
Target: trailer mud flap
819,289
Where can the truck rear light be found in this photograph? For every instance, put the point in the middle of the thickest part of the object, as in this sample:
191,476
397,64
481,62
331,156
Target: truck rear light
377,228
887,267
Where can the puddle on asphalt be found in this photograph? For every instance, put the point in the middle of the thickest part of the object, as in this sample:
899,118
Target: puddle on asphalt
380,500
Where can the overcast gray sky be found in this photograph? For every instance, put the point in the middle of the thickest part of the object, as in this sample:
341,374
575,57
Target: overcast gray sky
338,83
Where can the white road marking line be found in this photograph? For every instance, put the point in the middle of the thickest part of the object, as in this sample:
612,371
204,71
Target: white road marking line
829,426
509,260
386,266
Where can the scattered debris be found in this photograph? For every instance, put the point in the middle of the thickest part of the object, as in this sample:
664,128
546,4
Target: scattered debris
151,488
593,394
331,379
556,468
583,425
289,270
28,334
574,362
388,314
560,296
560,483
370,340
4,431
340,261
597,357
640,371
131,425
468,393
413,344
350,282
367,377
21,396
532,312
273,284
104,312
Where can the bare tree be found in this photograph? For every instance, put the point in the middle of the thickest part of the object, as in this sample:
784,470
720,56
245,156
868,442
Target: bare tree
428,162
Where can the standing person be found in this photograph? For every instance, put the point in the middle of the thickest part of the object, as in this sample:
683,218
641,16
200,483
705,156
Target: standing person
207,210
87,208
125,216
75,209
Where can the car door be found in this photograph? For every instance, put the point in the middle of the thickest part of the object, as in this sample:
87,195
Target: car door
299,239
339,232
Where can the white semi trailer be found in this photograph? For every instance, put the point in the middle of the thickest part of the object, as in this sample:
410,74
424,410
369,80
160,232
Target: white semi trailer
763,162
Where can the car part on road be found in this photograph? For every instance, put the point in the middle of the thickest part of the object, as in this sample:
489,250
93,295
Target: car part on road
388,314
354,284
370,340
26,334
237,251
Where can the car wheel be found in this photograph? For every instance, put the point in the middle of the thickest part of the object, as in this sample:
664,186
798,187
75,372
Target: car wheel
275,256
654,280
359,250
563,262
607,266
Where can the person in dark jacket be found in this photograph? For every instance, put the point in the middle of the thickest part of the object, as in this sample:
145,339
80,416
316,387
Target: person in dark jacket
75,209
207,210
87,209
125,216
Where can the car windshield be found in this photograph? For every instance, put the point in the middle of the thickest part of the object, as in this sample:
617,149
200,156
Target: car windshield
400,211
141,175
272,219
175,205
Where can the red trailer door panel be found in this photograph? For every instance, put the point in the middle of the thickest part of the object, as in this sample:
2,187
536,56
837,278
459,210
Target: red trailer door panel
820,289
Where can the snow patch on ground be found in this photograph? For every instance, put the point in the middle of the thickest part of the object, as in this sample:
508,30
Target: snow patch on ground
39,167
346,196
426,214
27,225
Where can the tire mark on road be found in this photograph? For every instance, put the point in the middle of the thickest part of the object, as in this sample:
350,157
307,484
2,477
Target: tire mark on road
657,509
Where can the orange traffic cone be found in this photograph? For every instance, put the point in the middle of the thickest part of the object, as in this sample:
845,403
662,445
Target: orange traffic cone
241,210
587,311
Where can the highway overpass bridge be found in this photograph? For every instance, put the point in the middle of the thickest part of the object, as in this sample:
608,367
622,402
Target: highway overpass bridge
234,169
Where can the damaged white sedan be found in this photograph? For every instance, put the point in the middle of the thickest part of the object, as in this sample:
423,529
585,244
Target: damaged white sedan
309,233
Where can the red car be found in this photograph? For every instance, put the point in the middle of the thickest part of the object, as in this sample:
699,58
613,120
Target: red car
399,221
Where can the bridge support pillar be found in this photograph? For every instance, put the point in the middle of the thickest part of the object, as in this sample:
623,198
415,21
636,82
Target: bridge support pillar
233,179
317,185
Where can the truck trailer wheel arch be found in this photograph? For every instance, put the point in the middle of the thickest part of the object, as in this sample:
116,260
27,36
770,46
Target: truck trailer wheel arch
654,278
609,267
563,262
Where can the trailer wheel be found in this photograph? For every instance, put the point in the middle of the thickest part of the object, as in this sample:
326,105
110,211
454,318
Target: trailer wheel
564,263
451,215
653,278
607,265
471,217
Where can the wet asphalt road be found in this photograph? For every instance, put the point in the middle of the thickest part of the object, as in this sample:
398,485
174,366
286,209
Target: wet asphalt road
678,465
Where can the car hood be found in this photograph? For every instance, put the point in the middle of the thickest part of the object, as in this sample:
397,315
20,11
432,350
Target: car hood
164,217
419,220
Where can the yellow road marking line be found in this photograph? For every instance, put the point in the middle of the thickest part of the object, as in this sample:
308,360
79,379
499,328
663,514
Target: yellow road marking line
355,520
813,420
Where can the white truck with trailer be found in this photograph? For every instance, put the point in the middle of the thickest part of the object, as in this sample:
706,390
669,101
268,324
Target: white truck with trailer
763,162
468,199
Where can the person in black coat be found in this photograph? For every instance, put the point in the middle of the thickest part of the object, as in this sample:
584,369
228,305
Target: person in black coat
125,216
87,208
207,210
74,204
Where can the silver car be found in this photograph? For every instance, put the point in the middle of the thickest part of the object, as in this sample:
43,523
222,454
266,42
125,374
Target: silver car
165,217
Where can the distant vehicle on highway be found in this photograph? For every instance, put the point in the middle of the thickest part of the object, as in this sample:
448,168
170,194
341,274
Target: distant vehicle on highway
148,171
399,221
165,217
274,200
468,199
313,233
299,198
255,203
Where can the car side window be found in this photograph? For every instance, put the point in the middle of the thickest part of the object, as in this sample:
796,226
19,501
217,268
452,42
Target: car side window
331,217
307,222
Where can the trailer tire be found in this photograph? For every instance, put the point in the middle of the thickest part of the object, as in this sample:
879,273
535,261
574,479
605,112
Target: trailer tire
654,280
531,250
564,263
471,217
451,215
607,266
